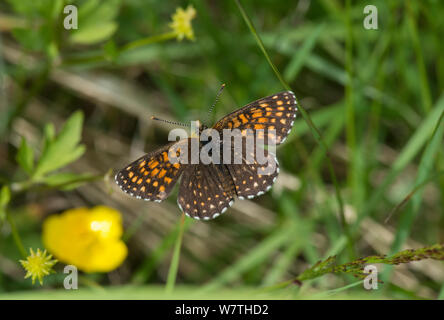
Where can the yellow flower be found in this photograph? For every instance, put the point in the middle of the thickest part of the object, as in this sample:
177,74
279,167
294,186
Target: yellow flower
86,238
38,265
181,23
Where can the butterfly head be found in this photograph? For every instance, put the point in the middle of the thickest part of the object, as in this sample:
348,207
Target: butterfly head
197,128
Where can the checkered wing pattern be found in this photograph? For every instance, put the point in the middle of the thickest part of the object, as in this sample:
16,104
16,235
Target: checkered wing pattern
276,112
205,191
256,174
151,177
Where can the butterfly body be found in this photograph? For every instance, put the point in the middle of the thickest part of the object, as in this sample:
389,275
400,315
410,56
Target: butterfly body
207,190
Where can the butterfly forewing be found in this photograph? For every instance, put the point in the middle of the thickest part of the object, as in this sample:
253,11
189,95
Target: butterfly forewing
205,191
276,112
151,177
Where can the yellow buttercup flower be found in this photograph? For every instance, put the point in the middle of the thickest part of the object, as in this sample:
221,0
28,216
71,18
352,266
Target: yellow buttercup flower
181,23
38,265
86,238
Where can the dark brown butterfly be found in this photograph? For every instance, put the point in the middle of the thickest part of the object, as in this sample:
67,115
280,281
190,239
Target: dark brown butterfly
208,190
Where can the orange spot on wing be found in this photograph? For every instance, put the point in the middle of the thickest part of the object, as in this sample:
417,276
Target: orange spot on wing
256,115
154,164
236,123
243,118
162,173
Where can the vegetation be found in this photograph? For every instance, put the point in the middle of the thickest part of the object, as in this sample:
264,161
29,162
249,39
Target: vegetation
362,171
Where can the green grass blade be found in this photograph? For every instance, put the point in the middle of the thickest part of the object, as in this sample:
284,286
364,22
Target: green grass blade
174,266
307,118
256,256
299,59
411,149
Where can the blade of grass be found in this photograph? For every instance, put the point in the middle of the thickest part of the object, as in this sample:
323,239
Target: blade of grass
282,264
256,256
441,293
321,117
425,88
411,149
144,272
418,187
350,111
174,266
309,122
298,60
424,171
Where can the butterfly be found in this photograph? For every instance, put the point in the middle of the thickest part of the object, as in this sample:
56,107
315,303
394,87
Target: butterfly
207,190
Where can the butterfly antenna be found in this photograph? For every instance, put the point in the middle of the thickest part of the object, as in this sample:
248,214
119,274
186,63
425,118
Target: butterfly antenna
215,101
171,122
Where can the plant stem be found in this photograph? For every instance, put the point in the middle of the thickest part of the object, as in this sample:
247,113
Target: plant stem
16,236
174,266
128,47
148,40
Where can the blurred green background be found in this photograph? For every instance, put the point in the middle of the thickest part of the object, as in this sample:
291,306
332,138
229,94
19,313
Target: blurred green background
376,96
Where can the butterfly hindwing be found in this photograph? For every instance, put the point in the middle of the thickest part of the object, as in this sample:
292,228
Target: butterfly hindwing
205,191
253,170
276,112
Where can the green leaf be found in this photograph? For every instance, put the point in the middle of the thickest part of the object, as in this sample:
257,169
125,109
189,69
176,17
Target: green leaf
49,136
63,149
94,34
5,197
110,51
68,180
25,157
96,22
